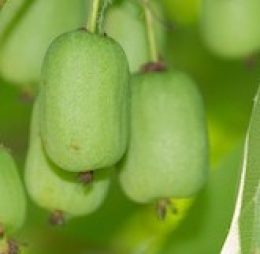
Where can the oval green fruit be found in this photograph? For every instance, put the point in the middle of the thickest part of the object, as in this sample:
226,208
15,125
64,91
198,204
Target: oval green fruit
85,101
12,195
8,14
53,188
125,20
231,27
22,51
168,150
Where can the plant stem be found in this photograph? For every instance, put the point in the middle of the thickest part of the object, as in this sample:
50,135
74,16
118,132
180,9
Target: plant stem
150,32
93,19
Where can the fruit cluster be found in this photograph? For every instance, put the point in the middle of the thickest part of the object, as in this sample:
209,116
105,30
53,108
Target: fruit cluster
92,116
86,118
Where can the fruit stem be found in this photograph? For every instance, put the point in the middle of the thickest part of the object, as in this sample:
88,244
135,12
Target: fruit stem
93,19
150,32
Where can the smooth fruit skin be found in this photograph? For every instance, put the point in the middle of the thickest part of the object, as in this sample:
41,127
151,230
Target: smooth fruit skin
125,24
8,12
84,106
22,52
231,28
53,188
12,195
168,150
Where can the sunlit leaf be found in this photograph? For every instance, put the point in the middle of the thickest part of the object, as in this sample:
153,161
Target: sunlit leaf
250,213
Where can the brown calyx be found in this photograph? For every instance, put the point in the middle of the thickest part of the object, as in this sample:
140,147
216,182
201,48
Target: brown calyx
57,218
162,208
13,247
251,61
153,67
2,231
83,29
86,177
26,96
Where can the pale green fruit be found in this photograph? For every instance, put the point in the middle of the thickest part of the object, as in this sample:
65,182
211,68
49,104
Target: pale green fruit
231,27
168,150
8,13
126,24
53,188
22,52
12,195
84,106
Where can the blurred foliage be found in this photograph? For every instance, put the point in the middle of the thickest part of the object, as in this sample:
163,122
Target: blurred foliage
145,233
204,230
2,2
228,88
15,109
184,12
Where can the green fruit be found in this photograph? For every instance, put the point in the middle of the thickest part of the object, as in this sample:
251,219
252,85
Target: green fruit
231,27
85,101
168,150
55,189
12,195
8,13
126,19
23,50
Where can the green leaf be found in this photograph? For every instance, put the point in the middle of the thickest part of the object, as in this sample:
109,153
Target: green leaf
244,233
249,221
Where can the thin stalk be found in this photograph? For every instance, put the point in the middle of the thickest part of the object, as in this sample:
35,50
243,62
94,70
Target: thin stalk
154,55
93,19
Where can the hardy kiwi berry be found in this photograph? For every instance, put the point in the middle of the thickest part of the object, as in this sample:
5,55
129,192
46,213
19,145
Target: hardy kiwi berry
22,49
12,196
168,150
231,27
65,194
124,20
84,104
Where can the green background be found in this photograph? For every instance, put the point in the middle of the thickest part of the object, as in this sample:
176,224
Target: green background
120,226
